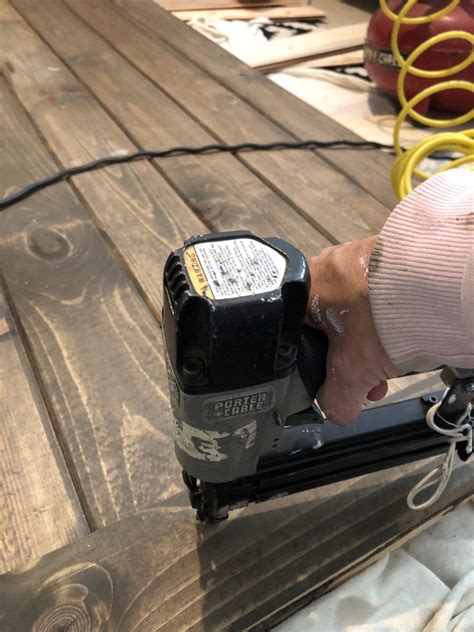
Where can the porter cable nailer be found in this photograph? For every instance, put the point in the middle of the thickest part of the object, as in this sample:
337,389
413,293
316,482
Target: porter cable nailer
243,371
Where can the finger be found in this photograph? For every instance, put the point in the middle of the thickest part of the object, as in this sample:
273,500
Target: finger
378,392
341,402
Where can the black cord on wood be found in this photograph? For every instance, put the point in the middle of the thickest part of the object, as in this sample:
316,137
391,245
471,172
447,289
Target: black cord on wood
65,174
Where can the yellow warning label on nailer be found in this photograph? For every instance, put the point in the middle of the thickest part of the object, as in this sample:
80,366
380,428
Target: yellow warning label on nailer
196,273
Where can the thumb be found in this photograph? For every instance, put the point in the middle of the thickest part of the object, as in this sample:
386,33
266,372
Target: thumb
378,392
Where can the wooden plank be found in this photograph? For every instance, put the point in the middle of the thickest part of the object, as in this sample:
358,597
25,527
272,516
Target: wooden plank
370,169
162,571
39,508
276,14
100,327
96,345
307,62
336,206
191,5
351,58
221,190
113,393
133,204
304,46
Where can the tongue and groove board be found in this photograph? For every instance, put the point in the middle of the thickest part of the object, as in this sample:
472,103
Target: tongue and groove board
82,264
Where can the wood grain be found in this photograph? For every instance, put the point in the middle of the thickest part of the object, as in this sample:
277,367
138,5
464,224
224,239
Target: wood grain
96,345
222,191
160,570
335,205
39,509
370,169
133,204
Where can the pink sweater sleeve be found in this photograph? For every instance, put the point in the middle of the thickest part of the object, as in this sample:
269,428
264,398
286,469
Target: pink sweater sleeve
421,276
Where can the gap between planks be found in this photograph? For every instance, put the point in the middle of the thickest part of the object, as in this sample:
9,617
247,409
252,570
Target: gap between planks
321,195
244,198
281,107
95,342
40,510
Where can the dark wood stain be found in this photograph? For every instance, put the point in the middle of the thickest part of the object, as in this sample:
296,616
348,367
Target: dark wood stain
39,510
275,103
321,194
85,425
225,194
160,570
134,205
97,346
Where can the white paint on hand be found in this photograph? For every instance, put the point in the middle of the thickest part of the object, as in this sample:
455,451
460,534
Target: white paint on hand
363,265
316,311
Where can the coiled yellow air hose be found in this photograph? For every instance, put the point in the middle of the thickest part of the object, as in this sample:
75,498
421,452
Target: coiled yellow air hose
406,164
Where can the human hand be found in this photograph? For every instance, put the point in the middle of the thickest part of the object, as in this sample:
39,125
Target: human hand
357,365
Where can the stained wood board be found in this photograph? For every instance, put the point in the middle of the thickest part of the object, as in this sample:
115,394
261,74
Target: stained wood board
219,188
370,169
94,342
39,508
133,204
96,346
304,46
276,14
336,206
160,570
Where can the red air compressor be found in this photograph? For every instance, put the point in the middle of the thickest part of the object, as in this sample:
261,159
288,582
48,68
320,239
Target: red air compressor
383,68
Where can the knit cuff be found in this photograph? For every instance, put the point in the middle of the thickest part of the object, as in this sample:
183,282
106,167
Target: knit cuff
420,276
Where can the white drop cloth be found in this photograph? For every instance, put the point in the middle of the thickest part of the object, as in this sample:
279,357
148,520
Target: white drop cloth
427,586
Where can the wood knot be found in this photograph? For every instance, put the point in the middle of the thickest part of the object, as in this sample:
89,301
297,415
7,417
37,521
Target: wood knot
65,617
76,598
47,243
